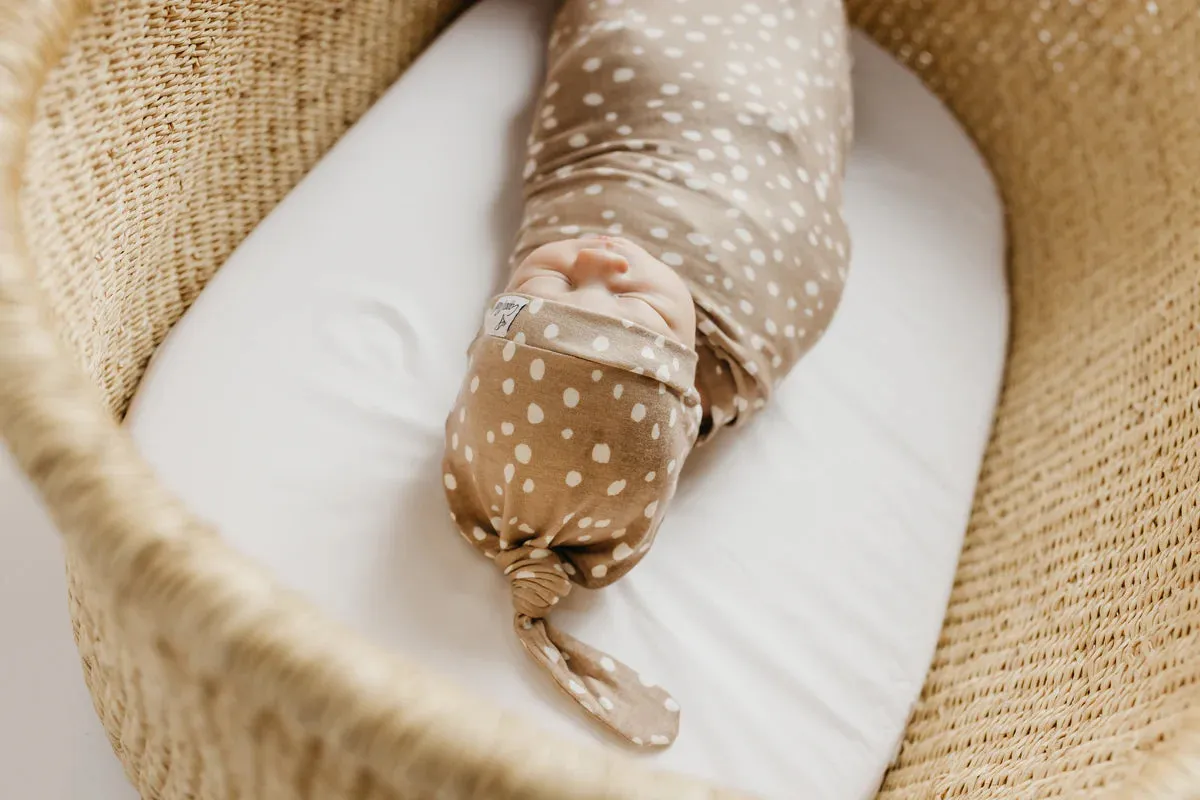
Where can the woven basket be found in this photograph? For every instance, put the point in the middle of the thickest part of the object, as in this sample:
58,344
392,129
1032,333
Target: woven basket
141,141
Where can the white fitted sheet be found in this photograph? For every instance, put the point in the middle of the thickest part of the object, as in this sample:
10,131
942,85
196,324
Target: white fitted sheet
794,597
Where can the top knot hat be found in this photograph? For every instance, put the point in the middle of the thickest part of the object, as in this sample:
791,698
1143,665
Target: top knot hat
562,453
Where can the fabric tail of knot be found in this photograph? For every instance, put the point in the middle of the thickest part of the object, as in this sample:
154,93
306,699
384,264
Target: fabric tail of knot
619,698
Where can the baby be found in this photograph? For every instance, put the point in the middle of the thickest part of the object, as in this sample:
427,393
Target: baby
682,248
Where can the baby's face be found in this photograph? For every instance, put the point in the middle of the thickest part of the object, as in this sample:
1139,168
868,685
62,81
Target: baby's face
612,276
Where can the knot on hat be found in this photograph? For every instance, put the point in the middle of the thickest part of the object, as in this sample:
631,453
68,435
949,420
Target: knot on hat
614,695
538,579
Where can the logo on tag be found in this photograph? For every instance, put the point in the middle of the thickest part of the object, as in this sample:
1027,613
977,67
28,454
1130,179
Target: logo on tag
503,313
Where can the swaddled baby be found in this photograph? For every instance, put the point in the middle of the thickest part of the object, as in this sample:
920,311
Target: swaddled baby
682,247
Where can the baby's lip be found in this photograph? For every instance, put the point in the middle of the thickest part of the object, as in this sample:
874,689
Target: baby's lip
617,244
604,237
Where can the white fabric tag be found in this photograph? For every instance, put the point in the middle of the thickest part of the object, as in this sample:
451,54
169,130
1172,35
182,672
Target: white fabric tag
503,314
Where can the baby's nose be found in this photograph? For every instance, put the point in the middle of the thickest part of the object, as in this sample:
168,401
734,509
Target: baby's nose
597,263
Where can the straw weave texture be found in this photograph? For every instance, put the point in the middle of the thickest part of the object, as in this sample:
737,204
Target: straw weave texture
142,140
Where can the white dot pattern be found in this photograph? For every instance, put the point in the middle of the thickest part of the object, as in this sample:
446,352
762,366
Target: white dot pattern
714,136
585,406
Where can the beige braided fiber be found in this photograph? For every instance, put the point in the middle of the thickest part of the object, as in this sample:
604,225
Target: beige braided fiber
1072,641
140,142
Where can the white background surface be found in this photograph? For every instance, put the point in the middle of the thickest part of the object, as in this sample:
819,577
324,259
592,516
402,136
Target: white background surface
52,746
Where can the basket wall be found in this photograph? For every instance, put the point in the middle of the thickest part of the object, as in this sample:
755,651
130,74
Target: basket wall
1069,658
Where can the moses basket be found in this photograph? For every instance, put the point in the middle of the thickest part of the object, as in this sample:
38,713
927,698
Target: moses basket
141,140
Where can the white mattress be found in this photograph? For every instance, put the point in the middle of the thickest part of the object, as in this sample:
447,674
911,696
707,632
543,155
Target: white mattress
794,597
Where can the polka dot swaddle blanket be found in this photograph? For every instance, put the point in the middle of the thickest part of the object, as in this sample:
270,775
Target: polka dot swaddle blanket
713,134
563,452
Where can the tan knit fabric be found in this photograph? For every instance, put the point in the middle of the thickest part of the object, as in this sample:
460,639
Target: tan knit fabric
714,137
562,454
734,184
